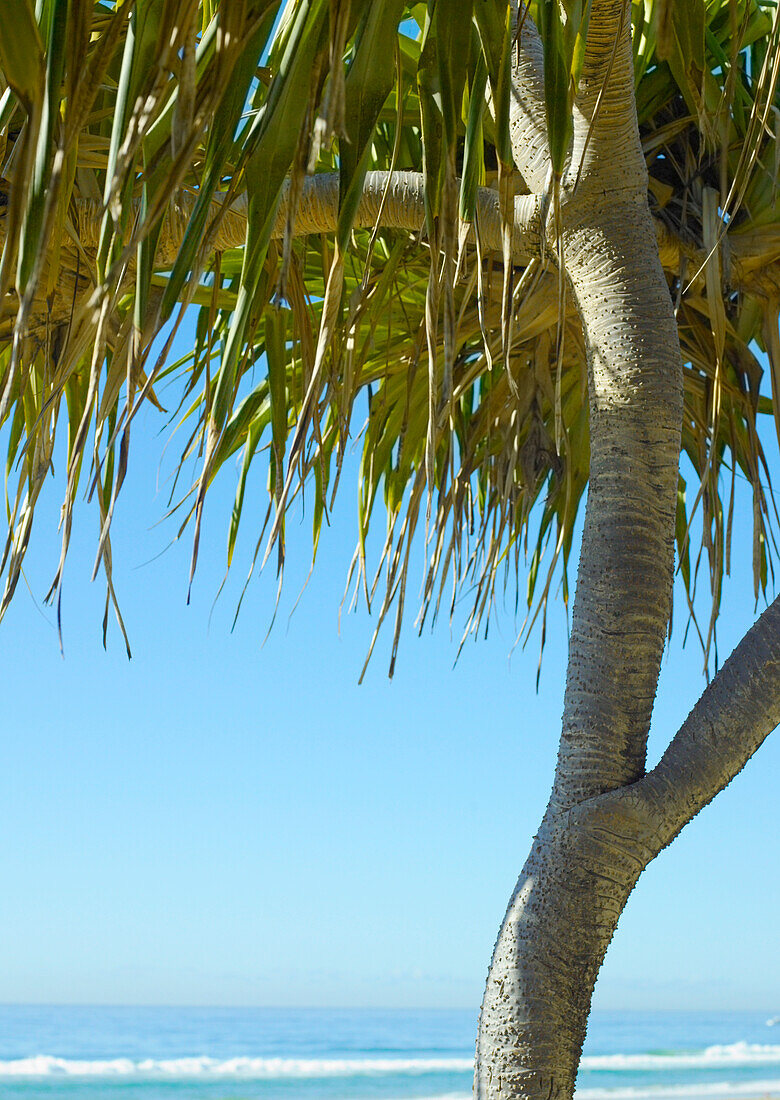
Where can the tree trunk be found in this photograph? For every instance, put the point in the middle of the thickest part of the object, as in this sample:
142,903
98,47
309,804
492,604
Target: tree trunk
606,818
558,926
578,877
583,865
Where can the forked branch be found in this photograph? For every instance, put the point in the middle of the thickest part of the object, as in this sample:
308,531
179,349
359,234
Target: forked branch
736,713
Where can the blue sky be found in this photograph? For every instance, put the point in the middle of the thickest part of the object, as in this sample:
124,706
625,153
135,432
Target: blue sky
220,821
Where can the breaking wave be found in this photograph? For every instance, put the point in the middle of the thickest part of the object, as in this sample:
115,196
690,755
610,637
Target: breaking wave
47,1065
734,1056
704,1089
714,1057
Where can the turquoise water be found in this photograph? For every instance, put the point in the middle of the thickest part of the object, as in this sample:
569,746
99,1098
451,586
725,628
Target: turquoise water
100,1053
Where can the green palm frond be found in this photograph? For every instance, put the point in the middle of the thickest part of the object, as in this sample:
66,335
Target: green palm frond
172,154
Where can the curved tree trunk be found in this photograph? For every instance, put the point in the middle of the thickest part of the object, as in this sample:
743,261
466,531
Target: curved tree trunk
582,867
558,926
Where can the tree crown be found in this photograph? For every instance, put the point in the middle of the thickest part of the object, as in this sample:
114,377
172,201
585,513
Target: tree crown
330,186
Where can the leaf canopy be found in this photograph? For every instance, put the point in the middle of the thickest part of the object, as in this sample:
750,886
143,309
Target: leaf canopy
238,158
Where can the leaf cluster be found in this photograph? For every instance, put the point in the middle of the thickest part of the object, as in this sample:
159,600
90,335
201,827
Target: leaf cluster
155,155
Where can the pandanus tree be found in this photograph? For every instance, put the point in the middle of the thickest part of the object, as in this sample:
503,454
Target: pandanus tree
544,243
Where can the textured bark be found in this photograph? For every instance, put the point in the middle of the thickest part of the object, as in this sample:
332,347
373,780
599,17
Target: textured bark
606,818
399,197
402,207
738,710
621,610
527,118
582,866
624,584
560,920
584,863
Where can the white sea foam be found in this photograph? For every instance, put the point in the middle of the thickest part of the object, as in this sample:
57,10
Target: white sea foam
732,1055
46,1065
709,1090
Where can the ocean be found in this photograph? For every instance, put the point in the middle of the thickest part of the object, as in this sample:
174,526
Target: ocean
106,1053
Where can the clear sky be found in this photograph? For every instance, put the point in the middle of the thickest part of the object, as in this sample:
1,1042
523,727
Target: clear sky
220,821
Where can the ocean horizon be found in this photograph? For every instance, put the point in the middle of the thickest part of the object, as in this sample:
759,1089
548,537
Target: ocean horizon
104,1052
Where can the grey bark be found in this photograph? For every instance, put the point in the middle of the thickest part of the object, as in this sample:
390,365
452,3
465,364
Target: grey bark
400,196
606,818
738,710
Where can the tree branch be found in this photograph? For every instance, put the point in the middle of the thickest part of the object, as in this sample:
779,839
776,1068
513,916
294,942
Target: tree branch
738,710
317,212
606,129
757,271
527,115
